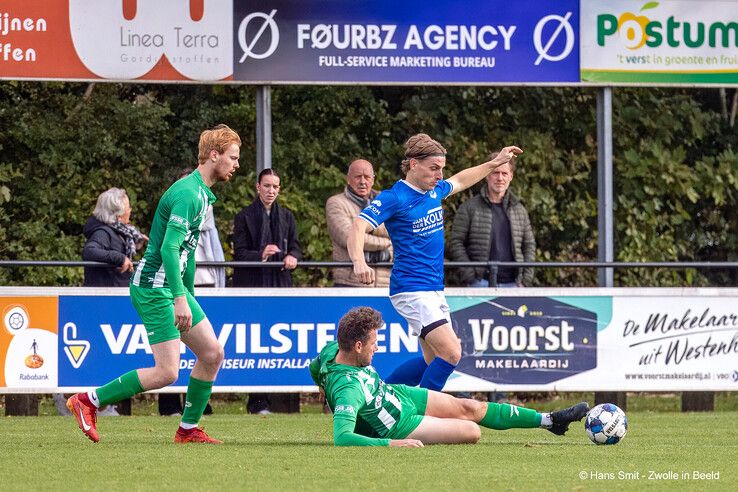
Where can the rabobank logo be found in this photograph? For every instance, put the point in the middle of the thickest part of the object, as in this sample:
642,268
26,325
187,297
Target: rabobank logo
258,36
526,340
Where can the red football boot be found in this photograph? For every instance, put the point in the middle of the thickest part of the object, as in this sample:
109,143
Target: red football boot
86,416
196,434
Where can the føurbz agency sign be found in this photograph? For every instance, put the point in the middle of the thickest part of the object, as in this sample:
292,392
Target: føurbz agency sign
412,41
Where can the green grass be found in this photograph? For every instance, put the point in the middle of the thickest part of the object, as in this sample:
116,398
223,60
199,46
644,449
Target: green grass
295,452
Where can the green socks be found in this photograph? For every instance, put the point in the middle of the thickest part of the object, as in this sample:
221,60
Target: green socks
198,394
119,389
503,416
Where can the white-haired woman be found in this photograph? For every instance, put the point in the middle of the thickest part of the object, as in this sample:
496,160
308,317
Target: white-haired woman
111,239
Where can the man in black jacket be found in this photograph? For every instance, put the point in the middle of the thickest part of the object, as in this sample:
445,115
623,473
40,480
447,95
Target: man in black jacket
494,226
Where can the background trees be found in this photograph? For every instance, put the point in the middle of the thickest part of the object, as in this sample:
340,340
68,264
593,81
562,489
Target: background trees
675,167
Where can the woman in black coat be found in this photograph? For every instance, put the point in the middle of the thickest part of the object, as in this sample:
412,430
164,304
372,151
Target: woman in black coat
111,239
264,232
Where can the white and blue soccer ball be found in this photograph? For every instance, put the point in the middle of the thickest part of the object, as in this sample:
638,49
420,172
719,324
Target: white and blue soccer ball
606,424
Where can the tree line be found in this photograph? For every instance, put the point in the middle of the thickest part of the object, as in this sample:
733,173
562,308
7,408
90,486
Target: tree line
675,168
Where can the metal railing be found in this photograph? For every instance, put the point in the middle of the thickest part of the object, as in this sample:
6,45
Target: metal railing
492,266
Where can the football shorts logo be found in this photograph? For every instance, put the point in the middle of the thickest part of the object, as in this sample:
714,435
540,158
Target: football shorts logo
76,350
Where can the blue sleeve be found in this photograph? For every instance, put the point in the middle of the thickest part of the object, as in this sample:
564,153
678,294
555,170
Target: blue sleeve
444,188
380,209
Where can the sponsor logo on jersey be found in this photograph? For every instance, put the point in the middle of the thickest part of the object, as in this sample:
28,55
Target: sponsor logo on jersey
347,409
179,220
431,222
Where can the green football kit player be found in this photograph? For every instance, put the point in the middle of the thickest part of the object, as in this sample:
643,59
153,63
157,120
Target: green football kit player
369,412
162,291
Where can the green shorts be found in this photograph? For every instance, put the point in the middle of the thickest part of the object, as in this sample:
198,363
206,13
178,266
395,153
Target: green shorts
414,401
156,308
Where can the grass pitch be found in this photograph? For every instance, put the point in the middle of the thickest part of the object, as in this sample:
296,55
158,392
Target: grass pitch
662,450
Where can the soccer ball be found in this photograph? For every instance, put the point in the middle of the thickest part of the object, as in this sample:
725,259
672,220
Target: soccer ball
606,424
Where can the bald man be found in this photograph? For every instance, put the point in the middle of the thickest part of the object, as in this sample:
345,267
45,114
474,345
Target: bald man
340,212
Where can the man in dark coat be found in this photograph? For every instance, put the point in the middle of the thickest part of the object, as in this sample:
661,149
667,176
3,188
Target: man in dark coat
494,225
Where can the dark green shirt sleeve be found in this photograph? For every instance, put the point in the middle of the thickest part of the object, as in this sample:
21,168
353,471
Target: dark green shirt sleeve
347,405
315,370
188,279
344,435
173,239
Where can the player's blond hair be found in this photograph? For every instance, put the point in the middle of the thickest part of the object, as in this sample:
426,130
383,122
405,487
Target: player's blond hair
218,139
419,147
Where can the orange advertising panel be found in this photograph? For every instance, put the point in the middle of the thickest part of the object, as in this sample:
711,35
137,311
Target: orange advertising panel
29,342
164,40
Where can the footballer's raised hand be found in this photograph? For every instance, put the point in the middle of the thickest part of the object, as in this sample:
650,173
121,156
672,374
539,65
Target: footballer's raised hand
504,156
405,443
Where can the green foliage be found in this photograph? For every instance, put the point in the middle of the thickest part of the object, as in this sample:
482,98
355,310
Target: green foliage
674,160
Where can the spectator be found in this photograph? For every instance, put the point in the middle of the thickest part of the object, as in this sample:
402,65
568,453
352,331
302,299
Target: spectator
209,248
494,226
113,240
340,212
265,232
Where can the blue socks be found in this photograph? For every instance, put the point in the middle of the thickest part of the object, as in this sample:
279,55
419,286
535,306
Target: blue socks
435,376
409,372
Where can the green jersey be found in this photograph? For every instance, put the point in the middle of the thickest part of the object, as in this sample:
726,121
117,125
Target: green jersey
366,410
169,261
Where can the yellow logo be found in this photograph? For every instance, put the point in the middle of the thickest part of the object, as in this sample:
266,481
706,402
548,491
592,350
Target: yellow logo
632,27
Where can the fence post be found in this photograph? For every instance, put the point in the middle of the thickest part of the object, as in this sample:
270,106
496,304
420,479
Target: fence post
698,401
21,405
492,266
619,398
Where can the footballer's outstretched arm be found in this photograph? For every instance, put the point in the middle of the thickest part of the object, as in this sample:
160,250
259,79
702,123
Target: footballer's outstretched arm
471,176
355,246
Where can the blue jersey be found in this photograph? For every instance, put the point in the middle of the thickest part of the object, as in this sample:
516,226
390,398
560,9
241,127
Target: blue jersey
414,220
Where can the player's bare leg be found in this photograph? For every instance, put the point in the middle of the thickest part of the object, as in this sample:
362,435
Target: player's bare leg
166,366
202,341
433,430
